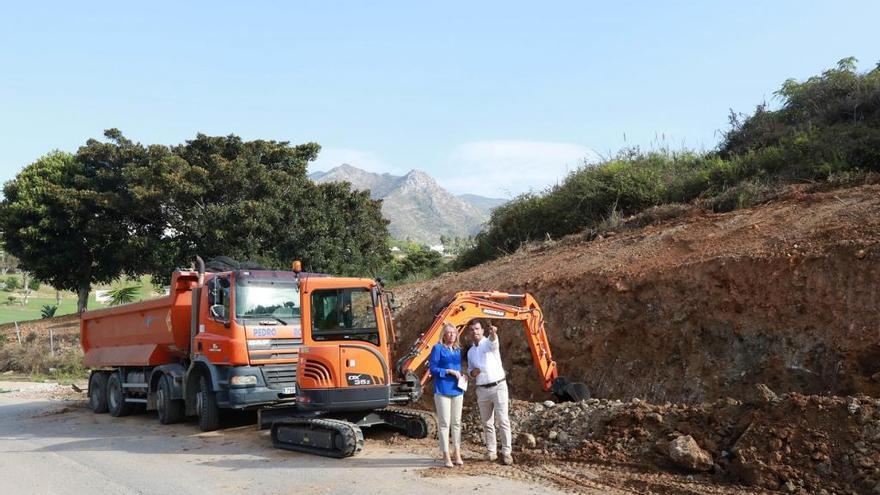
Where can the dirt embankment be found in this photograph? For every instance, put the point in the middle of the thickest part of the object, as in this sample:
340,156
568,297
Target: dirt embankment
65,327
702,307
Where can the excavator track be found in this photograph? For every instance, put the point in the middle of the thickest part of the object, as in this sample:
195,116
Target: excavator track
412,422
319,436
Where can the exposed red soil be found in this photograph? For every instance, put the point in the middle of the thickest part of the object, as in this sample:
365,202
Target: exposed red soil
701,307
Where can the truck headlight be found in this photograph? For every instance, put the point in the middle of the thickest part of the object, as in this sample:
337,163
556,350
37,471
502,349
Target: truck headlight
259,344
243,380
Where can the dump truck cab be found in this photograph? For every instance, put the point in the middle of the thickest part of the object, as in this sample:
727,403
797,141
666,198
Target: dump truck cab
249,334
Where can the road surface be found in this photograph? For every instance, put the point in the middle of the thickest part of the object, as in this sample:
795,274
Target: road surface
51,446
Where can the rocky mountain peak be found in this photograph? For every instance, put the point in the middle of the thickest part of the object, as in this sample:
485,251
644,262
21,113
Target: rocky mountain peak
416,206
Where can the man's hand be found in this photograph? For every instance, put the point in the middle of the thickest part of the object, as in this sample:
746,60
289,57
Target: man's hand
493,332
455,373
475,372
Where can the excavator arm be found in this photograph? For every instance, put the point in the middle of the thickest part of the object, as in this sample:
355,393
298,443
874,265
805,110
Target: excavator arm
469,305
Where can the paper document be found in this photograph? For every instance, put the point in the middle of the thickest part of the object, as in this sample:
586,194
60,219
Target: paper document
462,383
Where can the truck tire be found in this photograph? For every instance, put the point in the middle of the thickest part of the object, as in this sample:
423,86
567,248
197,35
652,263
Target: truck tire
98,392
209,413
169,410
115,398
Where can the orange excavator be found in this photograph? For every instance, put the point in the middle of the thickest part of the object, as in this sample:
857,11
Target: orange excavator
344,380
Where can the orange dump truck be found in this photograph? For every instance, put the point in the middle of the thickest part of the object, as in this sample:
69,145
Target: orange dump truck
216,341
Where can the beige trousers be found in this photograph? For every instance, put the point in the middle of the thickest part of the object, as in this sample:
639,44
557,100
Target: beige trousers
448,418
493,408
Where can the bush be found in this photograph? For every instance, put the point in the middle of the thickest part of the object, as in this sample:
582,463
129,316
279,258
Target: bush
827,129
419,261
12,283
35,359
34,284
48,311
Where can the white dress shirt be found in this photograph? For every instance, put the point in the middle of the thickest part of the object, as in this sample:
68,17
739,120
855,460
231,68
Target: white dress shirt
487,357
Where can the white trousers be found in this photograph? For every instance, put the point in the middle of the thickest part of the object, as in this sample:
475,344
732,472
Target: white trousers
448,418
493,408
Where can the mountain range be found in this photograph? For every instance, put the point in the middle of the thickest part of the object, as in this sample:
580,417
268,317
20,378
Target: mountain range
416,206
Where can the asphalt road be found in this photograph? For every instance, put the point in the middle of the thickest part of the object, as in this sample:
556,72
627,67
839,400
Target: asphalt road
50,447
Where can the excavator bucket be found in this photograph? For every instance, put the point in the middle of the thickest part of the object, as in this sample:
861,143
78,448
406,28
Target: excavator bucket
566,391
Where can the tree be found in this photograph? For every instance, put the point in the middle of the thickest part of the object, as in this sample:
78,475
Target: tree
122,208
123,295
65,220
253,200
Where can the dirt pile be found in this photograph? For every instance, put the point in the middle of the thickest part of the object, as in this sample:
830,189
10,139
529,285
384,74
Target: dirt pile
795,443
700,307
64,327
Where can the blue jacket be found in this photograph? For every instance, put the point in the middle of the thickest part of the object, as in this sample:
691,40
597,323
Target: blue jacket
442,359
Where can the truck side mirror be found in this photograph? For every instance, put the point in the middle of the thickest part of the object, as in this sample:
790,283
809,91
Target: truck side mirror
218,312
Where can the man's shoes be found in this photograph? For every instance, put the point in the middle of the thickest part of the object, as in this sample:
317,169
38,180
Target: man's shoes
507,459
491,456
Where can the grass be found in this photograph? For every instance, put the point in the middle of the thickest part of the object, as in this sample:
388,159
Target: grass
46,296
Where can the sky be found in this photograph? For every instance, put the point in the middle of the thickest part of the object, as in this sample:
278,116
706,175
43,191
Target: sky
492,97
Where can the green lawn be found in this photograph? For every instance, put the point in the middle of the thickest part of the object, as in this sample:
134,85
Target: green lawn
14,311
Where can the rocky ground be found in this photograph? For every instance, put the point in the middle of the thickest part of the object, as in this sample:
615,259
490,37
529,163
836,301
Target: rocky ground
791,443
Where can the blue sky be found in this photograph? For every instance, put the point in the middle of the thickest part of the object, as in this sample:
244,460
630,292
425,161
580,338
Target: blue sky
493,98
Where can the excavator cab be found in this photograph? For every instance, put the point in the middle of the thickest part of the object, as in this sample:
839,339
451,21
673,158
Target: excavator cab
344,381
343,364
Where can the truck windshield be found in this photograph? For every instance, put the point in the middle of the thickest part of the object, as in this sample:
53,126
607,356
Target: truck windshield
344,314
255,299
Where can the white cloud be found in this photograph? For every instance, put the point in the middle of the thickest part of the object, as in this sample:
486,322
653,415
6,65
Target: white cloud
508,167
365,160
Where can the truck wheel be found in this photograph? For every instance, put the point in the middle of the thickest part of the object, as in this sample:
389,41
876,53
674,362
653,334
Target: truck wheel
209,413
98,392
115,398
170,410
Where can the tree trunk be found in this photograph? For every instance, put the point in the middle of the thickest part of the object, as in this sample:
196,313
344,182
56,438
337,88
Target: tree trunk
82,294
57,297
27,290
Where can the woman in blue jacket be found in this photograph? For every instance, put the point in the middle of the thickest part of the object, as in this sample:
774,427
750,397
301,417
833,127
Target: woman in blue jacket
445,365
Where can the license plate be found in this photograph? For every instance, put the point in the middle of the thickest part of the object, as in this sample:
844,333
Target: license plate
288,390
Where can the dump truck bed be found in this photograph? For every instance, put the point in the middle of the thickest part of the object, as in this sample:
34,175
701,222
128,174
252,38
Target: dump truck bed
147,333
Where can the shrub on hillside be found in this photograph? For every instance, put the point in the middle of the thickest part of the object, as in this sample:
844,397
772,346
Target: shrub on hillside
827,127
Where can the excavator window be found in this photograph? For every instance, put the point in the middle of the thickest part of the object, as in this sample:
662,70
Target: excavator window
344,314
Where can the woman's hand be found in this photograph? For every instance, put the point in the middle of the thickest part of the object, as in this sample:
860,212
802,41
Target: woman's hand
455,373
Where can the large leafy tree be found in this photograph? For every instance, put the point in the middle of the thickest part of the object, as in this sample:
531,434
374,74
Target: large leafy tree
122,208
65,221
254,200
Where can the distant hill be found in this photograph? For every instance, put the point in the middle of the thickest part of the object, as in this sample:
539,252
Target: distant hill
482,202
417,207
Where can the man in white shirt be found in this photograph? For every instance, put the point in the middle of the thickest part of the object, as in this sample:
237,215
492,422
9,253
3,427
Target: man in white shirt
484,365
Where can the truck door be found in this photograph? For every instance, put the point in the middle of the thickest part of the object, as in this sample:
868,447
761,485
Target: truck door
214,339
